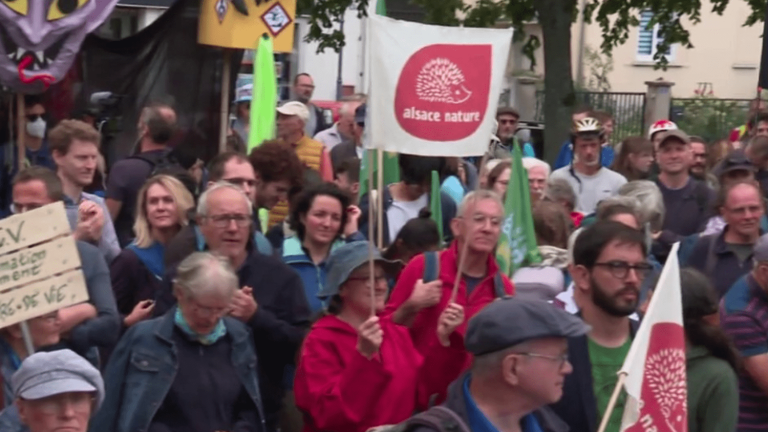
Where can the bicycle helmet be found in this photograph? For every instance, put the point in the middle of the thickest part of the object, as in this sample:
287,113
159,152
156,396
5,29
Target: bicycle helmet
587,125
661,126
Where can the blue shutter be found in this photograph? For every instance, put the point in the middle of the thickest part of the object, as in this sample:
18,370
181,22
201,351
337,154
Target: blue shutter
645,35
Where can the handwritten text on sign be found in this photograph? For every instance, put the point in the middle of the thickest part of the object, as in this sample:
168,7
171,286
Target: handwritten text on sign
33,227
39,265
35,263
42,297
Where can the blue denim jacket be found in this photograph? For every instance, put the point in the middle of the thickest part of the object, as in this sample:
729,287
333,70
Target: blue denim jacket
144,365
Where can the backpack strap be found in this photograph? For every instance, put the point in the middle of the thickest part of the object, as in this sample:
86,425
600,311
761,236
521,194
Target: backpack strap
262,244
437,418
199,240
498,285
431,267
711,261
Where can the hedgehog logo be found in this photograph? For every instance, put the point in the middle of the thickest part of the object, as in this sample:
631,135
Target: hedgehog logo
443,91
440,80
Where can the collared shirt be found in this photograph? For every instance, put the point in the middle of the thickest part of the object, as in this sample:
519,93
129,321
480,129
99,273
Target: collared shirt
330,137
478,422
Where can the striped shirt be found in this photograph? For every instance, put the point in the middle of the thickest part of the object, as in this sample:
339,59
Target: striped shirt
745,318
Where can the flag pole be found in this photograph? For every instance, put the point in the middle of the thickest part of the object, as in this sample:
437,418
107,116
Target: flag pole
225,72
380,199
465,246
20,118
612,402
372,269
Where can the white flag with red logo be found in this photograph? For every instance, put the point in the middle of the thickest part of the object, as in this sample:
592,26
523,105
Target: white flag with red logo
433,90
655,381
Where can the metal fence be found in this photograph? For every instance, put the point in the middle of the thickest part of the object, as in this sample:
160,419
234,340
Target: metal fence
710,118
627,109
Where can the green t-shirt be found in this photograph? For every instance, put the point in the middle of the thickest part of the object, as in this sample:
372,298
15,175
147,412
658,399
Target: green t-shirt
606,363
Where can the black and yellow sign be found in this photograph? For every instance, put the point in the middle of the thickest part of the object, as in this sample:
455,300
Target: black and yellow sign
239,23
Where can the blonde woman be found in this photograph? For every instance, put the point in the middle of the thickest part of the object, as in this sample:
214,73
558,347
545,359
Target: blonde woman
137,273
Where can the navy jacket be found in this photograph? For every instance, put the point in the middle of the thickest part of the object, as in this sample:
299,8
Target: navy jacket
278,326
456,402
711,256
142,369
448,210
578,407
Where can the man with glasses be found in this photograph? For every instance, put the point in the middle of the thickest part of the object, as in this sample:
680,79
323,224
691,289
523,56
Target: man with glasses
417,303
727,255
517,370
609,266
303,88
235,169
744,314
271,300
84,326
54,391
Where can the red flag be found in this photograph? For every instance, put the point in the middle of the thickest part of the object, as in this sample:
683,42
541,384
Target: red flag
655,366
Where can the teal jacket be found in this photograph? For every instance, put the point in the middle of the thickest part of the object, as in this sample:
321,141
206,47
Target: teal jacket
312,275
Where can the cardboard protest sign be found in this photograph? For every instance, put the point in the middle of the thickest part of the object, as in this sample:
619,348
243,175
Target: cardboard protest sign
434,90
39,265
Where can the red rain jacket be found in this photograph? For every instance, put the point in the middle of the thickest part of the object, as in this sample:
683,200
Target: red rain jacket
339,390
424,328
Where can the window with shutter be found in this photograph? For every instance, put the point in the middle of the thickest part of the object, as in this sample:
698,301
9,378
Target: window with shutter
648,38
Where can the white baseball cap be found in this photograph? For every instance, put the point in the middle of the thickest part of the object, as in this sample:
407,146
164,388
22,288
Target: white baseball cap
294,108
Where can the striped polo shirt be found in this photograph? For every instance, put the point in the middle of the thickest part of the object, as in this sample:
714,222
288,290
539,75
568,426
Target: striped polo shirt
744,313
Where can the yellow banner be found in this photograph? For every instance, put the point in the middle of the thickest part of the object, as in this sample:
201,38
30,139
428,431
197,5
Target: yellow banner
239,23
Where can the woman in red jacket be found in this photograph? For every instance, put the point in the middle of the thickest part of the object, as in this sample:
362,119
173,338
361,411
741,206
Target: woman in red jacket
358,371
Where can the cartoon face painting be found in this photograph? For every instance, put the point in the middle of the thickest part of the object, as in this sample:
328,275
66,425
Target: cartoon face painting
39,39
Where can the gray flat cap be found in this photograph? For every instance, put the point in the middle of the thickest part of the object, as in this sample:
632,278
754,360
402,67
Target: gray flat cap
344,260
510,321
47,374
760,251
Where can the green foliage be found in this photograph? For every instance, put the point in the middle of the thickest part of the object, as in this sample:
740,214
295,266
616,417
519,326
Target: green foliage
599,67
707,116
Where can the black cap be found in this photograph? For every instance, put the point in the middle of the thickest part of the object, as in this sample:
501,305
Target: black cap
735,161
511,321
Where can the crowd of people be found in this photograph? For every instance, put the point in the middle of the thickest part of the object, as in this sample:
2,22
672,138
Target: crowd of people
244,294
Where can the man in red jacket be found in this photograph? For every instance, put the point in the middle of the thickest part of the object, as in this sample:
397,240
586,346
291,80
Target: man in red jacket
418,304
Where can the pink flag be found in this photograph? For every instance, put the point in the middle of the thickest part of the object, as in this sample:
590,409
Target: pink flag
655,366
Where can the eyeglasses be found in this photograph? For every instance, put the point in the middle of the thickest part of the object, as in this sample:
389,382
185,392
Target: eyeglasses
199,309
562,359
222,221
34,117
367,279
620,269
239,181
80,403
21,208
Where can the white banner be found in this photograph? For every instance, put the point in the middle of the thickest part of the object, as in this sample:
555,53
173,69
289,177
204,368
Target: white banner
433,90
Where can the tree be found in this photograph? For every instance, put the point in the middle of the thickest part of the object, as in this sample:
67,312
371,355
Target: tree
615,18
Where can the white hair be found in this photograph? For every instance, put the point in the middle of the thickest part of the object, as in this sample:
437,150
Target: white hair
532,162
651,203
202,204
204,273
475,196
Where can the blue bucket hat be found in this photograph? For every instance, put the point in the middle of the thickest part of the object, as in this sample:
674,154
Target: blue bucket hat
344,260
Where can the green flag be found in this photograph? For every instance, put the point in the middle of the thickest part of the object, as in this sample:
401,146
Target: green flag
517,244
381,7
390,167
264,96
435,203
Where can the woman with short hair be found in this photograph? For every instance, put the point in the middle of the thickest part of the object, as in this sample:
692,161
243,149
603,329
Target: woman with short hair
193,369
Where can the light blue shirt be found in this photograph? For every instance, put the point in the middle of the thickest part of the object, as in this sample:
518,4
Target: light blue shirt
108,244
